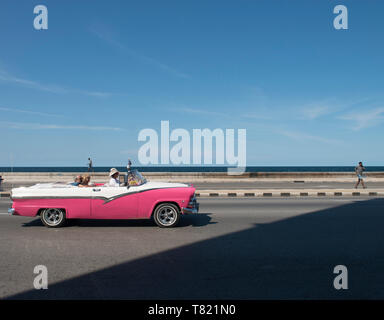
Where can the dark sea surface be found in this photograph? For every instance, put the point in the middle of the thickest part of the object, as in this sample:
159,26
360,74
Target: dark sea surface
190,169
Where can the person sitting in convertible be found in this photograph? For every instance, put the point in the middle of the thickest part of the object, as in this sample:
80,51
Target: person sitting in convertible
114,178
86,181
78,180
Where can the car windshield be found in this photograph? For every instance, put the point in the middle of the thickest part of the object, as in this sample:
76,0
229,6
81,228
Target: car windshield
135,178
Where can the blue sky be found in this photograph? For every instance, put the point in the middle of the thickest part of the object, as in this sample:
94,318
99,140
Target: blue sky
306,93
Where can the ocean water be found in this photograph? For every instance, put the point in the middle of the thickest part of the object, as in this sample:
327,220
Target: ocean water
190,169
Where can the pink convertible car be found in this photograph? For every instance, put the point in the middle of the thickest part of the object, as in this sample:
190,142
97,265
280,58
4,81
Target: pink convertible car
140,199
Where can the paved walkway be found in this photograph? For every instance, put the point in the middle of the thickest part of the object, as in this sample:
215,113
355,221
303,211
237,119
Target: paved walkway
291,193
280,193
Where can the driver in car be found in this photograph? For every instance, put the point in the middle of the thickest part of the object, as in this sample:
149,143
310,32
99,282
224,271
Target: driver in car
114,178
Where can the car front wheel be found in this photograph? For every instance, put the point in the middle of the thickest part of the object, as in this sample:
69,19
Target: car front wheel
53,218
166,215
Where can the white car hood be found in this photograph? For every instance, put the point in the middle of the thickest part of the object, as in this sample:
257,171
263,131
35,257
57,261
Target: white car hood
159,184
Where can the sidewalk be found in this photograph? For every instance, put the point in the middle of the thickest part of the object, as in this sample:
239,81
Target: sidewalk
280,193
291,193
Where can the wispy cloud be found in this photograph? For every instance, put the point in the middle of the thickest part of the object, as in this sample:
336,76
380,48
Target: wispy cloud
31,84
324,107
365,118
6,77
39,126
29,112
315,111
102,33
330,107
301,136
198,111
257,116
98,94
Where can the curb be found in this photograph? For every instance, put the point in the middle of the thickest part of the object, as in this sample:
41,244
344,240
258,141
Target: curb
5,194
276,193
284,194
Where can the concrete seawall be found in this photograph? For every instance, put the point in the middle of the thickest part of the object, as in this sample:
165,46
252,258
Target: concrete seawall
34,177
216,184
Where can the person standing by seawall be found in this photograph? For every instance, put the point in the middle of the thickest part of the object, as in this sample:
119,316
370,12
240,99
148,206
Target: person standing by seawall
360,177
89,165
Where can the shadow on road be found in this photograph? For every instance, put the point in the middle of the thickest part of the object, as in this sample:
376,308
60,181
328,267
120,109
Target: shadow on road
199,220
288,259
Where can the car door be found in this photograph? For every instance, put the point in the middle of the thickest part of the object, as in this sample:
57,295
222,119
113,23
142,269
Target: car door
76,201
114,203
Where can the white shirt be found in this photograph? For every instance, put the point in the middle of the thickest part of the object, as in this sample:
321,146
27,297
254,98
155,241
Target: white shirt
114,182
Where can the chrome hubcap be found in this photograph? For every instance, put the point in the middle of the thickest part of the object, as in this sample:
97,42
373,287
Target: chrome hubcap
53,216
167,215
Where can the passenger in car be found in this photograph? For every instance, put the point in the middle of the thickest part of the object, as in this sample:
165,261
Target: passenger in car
78,180
86,181
114,178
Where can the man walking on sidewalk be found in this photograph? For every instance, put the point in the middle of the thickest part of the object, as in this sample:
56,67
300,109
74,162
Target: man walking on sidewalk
360,177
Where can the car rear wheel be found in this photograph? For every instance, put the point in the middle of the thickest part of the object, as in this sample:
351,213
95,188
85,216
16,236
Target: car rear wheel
167,215
53,218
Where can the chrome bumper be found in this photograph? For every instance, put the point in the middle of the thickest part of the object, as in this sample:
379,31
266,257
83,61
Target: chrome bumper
193,207
11,211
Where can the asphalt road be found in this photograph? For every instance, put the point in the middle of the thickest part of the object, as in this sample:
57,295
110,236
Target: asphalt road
234,249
